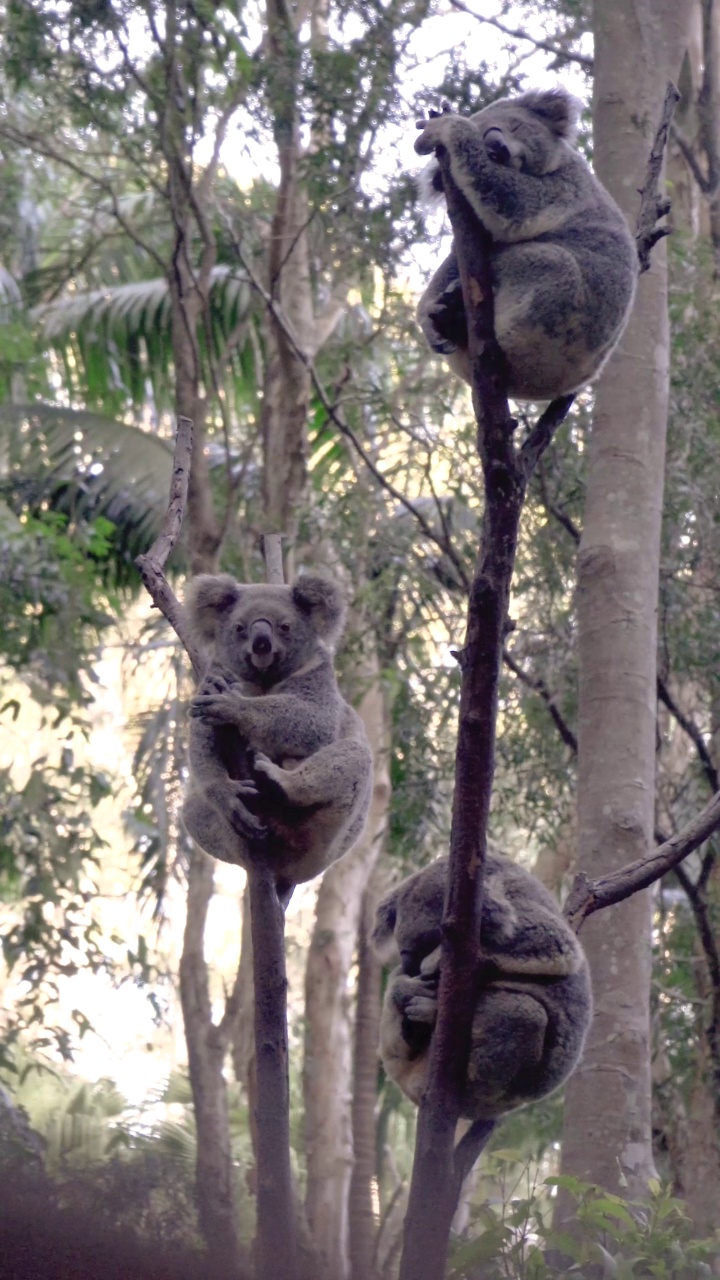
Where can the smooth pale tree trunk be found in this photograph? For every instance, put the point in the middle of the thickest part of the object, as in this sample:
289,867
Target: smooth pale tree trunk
607,1133
327,1077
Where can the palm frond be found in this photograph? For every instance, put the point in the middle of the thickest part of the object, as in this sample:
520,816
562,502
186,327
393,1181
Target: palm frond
115,342
86,466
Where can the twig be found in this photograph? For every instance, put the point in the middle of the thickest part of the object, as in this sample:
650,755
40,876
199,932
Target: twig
580,58
691,160
542,433
152,564
336,417
470,1146
538,686
692,731
588,896
552,509
652,204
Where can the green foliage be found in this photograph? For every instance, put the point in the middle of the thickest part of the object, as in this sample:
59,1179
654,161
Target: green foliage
48,845
53,602
611,1237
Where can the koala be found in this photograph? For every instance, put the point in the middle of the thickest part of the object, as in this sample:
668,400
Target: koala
280,767
563,262
534,1000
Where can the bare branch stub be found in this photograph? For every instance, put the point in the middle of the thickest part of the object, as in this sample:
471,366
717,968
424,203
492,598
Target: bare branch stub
151,566
272,551
652,204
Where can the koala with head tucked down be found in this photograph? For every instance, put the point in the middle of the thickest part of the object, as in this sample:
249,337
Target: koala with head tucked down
280,767
534,1001
564,264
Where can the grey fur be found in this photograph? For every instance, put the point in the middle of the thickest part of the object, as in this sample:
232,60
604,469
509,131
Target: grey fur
534,1001
564,263
280,767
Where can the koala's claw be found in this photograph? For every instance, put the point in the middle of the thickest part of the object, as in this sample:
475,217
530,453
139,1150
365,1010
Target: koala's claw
246,824
248,788
267,766
215,708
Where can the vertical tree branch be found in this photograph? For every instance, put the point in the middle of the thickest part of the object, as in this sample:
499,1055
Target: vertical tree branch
276,1239
436,1179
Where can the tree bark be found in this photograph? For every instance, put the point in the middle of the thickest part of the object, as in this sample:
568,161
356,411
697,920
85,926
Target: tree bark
607,1132
368,1008
206,1054
327,1069
287,385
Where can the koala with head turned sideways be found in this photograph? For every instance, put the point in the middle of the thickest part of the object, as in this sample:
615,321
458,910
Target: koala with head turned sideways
563,262
280,767
533,1004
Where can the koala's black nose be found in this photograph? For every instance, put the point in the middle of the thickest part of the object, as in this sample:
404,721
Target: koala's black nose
261,643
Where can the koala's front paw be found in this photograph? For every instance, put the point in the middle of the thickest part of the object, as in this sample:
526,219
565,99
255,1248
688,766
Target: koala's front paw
430,968
213,683
434,134
214,708
421,1008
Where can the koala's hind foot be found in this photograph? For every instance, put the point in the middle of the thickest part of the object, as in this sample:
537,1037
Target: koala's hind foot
327,778
229,797
271,783
444,322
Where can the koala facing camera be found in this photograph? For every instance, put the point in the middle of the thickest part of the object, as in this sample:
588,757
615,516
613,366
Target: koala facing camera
280,766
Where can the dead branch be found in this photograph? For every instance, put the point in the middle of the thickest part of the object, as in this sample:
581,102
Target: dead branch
588,896
152,564
652,204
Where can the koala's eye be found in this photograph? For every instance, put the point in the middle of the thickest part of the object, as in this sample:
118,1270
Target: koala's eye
240,628
284,628
496,148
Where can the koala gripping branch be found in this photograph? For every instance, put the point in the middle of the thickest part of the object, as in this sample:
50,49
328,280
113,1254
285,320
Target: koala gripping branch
438,1167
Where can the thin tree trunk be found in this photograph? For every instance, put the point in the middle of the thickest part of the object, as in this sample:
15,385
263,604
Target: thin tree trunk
206,1054
327,1071
286,391
362,1220
607,1133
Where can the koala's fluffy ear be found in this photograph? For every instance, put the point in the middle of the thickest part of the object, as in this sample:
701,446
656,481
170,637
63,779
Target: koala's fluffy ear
383,935
323,600
556,107
207,599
